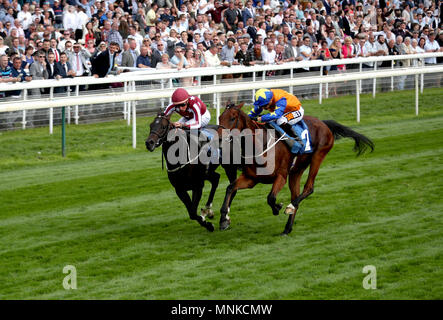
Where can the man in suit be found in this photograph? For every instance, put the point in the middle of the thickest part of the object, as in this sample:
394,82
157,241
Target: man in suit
250,28
50,68
248,12
79,60
129,57
104,64
207,42
63,70
55,50
291,52
38,70
157,53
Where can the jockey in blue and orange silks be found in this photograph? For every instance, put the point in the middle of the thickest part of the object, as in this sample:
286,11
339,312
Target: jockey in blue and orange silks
285,109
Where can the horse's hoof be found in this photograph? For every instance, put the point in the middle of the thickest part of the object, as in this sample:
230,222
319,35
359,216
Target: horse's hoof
290,209
207,213
225,224
210,227
284,234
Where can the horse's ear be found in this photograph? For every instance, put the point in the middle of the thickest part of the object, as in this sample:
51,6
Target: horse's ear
240,105
228,104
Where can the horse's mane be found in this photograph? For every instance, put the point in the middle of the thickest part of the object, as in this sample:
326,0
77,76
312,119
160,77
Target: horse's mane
251,124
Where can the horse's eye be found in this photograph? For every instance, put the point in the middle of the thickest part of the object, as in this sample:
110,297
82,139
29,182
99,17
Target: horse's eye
232,119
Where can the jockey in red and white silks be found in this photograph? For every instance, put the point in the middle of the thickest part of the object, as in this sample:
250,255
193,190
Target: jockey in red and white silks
194,113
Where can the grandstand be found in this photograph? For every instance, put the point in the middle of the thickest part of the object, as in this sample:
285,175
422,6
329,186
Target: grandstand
52,41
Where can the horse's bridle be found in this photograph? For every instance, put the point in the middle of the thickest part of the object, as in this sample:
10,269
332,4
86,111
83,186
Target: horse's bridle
161,136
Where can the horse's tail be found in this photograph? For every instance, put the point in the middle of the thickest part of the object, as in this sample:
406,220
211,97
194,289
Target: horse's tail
362,143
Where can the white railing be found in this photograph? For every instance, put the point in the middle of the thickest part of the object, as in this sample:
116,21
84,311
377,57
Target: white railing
167,74
216,89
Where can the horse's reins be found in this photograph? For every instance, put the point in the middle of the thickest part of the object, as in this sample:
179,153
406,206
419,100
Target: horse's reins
229,139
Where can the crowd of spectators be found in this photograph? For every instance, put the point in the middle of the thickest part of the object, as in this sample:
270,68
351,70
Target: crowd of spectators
50,39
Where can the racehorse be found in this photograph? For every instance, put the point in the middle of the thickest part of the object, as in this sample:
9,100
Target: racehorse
187,176
323,134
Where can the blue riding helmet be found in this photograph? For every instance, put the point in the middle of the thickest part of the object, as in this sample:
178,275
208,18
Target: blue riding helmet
263,97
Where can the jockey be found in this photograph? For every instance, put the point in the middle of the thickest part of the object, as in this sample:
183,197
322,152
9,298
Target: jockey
285,109
194,113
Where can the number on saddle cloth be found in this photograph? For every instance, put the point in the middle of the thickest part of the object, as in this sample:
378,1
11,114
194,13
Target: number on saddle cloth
302,131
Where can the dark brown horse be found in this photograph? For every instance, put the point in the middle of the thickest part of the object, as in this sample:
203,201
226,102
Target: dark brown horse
323,134
188,176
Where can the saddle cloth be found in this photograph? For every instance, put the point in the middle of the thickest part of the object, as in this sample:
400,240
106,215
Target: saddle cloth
302,131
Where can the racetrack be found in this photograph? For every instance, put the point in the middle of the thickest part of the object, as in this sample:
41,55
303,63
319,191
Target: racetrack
110,212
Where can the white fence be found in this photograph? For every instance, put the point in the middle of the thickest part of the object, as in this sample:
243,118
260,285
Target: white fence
130,95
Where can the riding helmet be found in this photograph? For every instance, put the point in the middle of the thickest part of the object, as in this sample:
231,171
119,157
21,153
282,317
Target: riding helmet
263,97
180,96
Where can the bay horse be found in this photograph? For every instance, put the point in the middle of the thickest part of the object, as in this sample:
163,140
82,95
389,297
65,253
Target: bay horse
189,176
323,134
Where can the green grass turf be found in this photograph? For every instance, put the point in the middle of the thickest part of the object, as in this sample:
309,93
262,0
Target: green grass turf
109,211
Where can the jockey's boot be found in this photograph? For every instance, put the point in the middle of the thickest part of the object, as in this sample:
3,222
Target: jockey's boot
289,129
289,142
297,138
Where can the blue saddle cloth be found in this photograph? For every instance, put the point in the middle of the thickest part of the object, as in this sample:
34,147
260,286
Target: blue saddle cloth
302,131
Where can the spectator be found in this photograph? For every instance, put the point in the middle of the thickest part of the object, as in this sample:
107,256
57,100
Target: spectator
325,55
179,60
38,70
407,47
129,57
279,54
230,17
369,50
157,53
3,48
63,69
190,57
6,73
91,47
431,46
104,63
268,55
143,60
58,14
228,53
291,52
24,17
54,50
417,48
70,19
382,50
165,63
62,42
88,33
347,51
114,35
106,31
305,53
28,56
151,16
50,66
135,35
79,60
